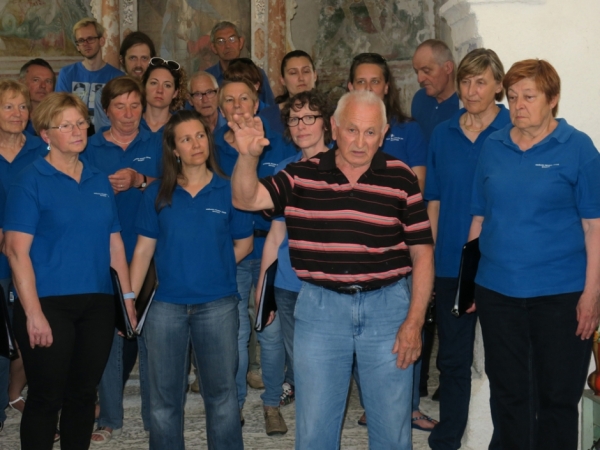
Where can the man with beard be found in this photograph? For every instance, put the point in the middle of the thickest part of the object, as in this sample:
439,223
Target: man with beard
89,39
437,100
137,49
40,79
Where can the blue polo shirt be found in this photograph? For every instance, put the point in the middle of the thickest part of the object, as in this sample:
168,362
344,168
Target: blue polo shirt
286,278
33,148
272,115
71,224
144,155
451,163
532,240
429,113
194,257
405,142
145,126
265,95
277,150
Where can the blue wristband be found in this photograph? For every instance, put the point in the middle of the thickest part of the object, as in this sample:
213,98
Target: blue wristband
129,296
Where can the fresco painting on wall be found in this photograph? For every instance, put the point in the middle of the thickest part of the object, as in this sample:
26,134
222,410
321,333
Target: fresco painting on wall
39,27
388,27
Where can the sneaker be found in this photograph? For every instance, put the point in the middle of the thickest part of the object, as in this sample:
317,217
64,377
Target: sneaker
288,396
274,423
254,379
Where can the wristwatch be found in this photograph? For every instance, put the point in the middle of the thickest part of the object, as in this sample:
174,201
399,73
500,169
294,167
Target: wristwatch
144,183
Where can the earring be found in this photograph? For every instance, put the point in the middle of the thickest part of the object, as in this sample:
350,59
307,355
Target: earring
48,146
178,160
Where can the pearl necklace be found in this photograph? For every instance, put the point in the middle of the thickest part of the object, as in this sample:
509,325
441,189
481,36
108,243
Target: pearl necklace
119,142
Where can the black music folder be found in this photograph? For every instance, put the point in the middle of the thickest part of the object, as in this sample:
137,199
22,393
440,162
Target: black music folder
8,347
469,262
121,317
267,298
145,297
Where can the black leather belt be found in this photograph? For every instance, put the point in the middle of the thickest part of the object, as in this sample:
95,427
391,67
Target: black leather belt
261,233
353,289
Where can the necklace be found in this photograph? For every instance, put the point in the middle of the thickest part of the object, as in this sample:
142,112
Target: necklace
464,124
119,142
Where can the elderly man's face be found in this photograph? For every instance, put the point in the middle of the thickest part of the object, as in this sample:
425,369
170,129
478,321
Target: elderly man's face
359,134
434,78
208,104
227,44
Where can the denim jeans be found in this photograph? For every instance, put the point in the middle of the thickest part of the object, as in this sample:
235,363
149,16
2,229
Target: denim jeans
4,364
212,328
272,350
286,304
110,389
529,339
330,329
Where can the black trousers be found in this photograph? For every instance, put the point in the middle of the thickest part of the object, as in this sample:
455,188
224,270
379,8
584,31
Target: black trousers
66,374
532,341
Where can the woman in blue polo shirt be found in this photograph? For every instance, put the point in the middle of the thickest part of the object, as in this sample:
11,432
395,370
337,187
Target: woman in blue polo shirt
62,234
454,150
130,156
165,88
536,211
404,140
240,97
187,222
18,149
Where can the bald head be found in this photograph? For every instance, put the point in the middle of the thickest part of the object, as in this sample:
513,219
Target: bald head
434,66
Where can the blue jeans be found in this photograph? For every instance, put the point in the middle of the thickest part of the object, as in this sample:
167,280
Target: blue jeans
110,389
330,329
4,363
212,328
286,304
272,351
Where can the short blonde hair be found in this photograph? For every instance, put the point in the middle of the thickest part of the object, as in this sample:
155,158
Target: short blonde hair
476,62
88,21
54,105
246,81
15,88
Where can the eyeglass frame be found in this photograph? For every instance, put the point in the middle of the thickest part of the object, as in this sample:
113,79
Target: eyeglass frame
87,40
168,63
231,39
198,95
69,127
298,119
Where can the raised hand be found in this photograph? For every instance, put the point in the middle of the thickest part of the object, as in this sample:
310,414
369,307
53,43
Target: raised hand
249,134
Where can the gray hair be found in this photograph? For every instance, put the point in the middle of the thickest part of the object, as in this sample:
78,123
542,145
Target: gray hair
363,97
202,74
441,52
222,26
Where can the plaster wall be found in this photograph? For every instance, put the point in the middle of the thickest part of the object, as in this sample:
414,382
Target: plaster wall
564,33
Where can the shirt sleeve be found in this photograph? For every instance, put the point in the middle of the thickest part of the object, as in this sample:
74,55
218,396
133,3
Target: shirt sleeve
415,145
432,189
478,202
280,188
22,212
588,182
146,222
241,224
417,228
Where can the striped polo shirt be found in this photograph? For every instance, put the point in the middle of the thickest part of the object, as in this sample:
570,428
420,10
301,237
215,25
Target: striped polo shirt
341,235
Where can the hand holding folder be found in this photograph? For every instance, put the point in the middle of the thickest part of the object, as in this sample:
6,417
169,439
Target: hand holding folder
469,262
267,303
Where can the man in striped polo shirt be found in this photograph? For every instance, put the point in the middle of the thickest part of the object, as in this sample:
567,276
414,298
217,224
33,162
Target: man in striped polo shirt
357,228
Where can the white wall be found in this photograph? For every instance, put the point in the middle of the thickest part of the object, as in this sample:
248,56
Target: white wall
565,33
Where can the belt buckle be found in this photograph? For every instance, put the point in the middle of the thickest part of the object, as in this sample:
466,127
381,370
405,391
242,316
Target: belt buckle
354,289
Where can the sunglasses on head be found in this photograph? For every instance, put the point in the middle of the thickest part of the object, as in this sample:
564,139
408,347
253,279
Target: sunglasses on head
158,61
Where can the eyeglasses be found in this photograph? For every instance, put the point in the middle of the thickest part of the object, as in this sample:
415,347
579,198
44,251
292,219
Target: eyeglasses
89,40
68,127
208,94
223,41
158,61
308,120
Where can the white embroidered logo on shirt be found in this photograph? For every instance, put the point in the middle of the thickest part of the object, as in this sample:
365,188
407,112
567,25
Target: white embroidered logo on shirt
216,211
101,194
393,138
142,159
270,164
546,166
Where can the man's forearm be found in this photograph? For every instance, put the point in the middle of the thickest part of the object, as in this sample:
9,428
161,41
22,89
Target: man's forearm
244,183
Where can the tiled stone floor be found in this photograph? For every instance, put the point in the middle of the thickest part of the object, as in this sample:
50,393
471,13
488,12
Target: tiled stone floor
133,437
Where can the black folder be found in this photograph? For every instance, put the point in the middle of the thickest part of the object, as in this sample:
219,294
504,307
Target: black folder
8,347
121,318
267,298
465,294
145,297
